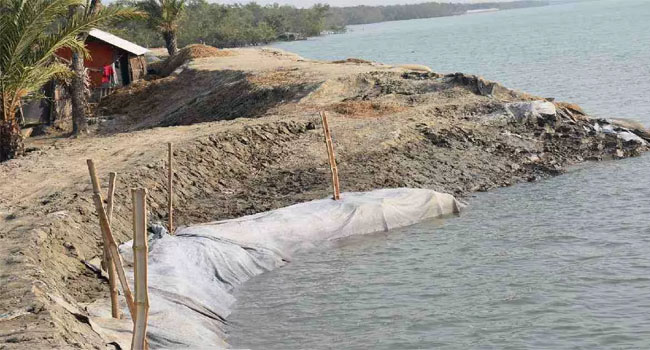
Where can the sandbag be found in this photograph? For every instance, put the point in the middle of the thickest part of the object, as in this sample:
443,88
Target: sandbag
192,274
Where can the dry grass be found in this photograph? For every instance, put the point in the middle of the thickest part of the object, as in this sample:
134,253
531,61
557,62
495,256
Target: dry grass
186,54
160,52
574,108
276,78
366,109
353,60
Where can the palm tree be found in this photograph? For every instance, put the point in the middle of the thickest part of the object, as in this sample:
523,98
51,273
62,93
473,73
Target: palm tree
164,16
32,31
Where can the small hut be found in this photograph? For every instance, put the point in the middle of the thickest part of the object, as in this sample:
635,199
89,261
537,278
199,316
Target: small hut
113,62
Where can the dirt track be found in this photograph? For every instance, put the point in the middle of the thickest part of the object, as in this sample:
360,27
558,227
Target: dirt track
259,146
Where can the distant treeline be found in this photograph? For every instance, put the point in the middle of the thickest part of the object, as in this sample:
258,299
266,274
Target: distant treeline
253,24
342,16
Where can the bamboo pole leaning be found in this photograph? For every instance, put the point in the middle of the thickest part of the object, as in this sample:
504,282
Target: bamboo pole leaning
108,260
336,188
140,269
107,236
170,188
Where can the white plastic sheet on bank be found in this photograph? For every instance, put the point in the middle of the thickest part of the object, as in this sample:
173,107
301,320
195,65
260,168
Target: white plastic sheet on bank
192,274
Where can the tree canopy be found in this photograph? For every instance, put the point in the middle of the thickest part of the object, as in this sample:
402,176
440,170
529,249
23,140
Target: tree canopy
252,24
164,16
230,25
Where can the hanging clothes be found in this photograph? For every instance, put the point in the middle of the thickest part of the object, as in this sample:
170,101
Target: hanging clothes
107,75
116,81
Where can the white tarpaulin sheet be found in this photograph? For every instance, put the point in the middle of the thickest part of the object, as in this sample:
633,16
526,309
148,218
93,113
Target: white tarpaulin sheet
192,274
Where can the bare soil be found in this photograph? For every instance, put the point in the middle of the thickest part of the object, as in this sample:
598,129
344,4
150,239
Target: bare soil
248,139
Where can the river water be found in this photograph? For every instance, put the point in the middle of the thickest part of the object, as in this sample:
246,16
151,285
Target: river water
559,264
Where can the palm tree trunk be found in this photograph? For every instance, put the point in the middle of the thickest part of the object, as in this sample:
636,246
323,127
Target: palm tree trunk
11,139
78,96
171,42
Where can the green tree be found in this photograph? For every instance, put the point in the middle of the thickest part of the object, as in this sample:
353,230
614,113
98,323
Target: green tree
165,16
32,31
234,25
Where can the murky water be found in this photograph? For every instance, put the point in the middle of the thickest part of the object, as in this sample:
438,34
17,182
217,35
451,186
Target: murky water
560,264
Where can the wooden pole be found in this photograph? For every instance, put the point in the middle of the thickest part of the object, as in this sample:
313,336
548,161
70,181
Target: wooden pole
332,159
112,179
170,188
93,176
140,252
107,235
109,264
114,252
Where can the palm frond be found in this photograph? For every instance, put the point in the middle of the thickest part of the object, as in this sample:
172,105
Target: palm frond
163,15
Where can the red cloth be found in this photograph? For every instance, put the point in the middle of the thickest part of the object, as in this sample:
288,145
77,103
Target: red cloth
106,76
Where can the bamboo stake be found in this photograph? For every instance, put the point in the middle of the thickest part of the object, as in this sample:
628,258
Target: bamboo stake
93,176
109,264
332,158
112,179
107,235
115,253
170,196
140,251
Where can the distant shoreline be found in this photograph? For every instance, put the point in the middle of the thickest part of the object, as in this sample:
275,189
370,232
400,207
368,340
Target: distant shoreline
493,9
356,15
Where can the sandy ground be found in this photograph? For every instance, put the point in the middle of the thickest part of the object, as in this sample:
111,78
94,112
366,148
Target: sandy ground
248,139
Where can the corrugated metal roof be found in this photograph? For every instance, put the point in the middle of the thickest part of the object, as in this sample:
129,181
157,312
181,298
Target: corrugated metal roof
117,42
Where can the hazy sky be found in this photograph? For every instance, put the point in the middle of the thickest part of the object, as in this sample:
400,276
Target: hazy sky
307,3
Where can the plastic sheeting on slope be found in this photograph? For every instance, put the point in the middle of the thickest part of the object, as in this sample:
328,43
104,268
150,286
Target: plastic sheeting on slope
192,273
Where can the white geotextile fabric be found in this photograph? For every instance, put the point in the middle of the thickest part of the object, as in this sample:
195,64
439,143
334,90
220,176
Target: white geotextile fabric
192,273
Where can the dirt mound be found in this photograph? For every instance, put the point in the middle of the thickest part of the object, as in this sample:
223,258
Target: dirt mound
195,97
190,52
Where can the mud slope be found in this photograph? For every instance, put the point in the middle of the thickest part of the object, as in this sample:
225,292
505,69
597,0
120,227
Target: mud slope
260,147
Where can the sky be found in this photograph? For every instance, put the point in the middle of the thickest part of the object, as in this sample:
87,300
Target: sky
307,3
